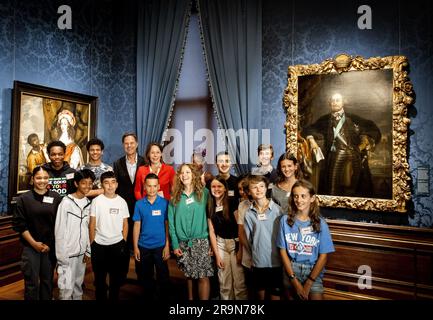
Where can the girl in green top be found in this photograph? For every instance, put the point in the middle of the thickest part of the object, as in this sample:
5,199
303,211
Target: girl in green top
188,229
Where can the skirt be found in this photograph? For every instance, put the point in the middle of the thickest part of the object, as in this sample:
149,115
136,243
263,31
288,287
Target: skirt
195,261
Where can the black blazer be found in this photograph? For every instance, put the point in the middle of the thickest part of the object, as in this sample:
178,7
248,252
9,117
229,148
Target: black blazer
126,188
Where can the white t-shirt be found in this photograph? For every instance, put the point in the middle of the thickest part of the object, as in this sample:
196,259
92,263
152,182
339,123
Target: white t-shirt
81,202
246,253
109,213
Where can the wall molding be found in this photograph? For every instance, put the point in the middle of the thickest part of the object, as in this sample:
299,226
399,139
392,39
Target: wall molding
400,257
10,252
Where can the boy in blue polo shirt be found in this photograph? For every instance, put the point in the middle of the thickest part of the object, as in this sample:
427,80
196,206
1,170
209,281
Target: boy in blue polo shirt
150,238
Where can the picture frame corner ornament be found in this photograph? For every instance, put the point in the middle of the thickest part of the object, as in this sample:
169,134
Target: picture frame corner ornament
342,62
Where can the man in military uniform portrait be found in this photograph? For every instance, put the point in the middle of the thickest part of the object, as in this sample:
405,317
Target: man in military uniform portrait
344,140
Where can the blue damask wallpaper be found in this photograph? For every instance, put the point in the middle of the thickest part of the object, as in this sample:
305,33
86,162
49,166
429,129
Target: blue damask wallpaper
96,57
297,32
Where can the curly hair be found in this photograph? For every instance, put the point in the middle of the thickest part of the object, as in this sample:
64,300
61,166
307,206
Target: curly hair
84,174
314,213
178,185
93,142
56,143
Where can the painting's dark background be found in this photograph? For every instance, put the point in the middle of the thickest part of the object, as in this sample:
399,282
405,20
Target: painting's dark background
367,94
97,57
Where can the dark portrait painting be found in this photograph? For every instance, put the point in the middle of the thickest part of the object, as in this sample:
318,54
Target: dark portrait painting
347,123
365,100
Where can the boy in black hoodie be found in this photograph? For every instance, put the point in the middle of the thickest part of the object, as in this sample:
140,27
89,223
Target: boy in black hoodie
61,174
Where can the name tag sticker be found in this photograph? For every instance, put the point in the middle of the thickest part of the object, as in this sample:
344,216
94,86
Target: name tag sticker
70,176
48,200
261,216
161,193
231,193
189,200
156,212
114,211
219,208
306,230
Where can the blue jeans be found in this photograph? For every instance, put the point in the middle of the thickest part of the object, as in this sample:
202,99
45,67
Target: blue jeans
302,271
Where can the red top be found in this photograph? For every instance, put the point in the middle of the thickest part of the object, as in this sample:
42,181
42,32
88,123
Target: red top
166,180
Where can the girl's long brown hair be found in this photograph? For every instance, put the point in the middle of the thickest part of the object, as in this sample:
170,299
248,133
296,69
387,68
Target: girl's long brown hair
291,157
314,213
178,187
211,203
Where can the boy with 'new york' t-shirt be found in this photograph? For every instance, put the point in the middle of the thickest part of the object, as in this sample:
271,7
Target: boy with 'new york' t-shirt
108,231
150,237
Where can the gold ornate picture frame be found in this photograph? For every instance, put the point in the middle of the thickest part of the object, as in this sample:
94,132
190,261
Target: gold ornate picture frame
40,115
347,122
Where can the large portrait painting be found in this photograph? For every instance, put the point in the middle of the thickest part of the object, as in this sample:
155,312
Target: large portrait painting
39,116
347,122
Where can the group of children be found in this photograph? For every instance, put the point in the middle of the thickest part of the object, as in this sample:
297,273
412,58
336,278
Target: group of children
266,240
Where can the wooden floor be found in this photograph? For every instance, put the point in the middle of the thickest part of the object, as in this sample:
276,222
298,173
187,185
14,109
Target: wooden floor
131,290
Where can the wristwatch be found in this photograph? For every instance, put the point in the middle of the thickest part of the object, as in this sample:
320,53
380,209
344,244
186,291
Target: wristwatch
291,277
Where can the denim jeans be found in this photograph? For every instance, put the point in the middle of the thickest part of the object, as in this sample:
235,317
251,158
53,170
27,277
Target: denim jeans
302,271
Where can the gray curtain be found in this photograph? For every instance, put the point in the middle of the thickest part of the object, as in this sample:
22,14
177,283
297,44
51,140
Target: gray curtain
160,41
232,32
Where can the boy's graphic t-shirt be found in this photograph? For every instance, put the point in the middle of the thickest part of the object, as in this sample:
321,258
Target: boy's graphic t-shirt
98,171
302,244
62,180
59,185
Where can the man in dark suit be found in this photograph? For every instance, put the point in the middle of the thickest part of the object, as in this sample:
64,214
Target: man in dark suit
125,170
345,139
